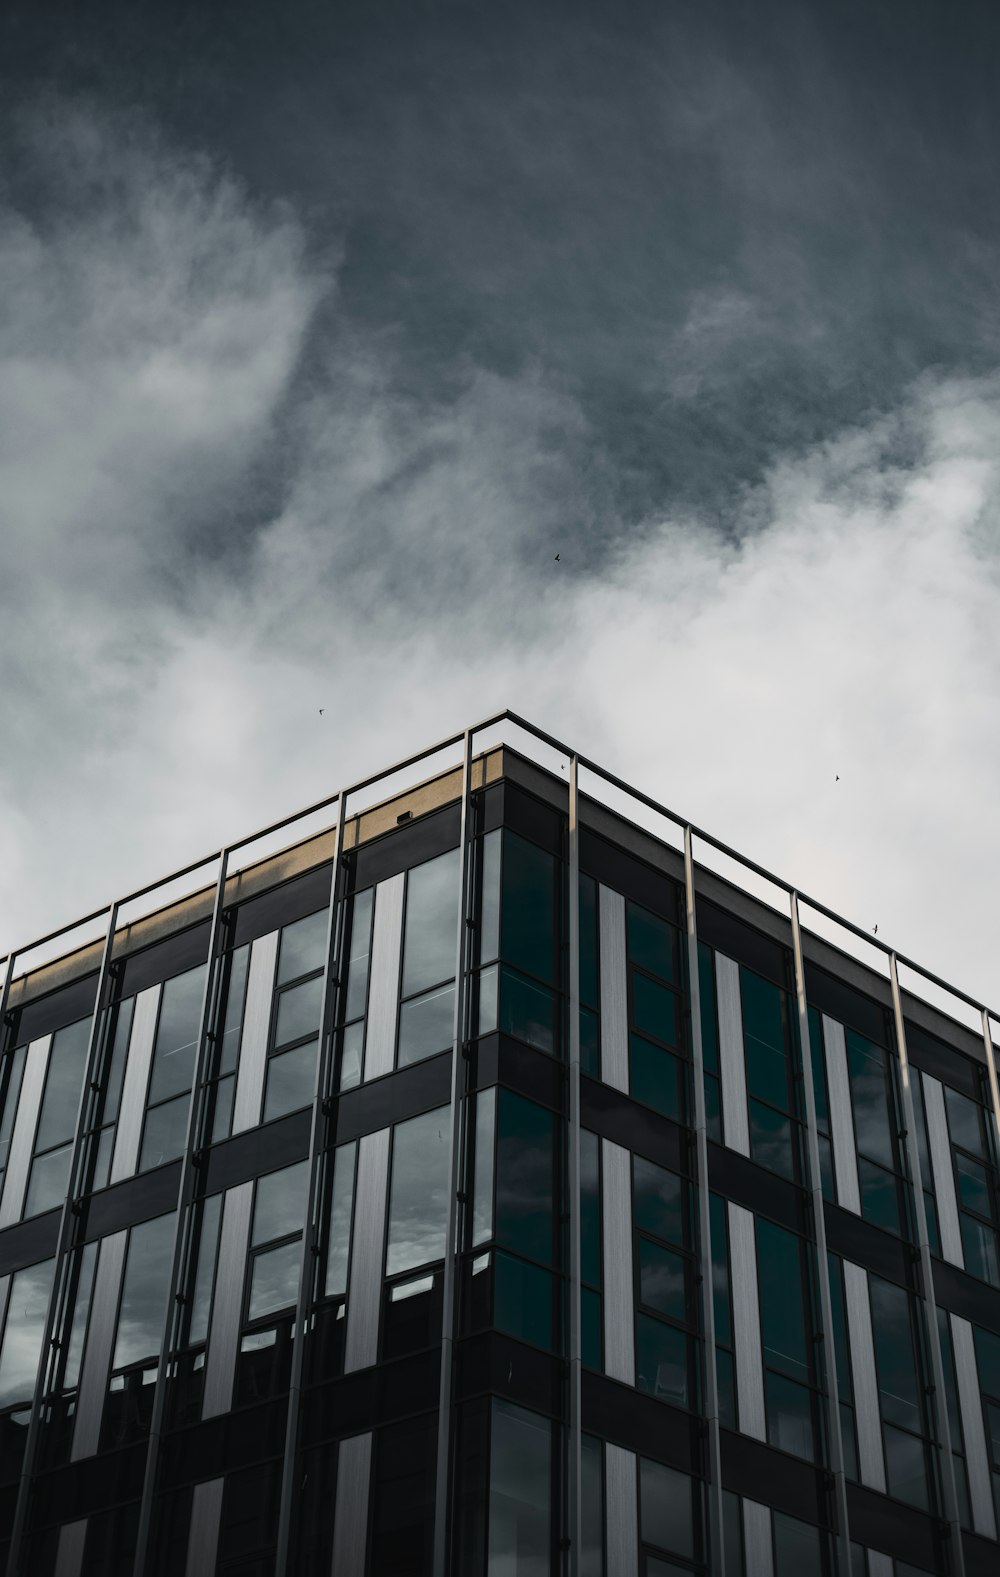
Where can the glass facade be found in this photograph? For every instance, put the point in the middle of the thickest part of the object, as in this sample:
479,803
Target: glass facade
291,1203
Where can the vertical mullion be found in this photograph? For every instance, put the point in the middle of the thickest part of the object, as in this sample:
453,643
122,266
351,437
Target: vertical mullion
956,1558
822,1263
716,1540
574,1498
185,1196
455,1115
69,1219
313,1225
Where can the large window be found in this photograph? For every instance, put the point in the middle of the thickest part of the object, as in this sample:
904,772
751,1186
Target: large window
518,929
872,1074
427,1008
974,1156
142,1314
725,1365
988,1361
786,1328
670,1521
901,1392
23,1329
175,1052
354,997
665,1295
657,1039
297,1017
773,1077
520,1539
53,1147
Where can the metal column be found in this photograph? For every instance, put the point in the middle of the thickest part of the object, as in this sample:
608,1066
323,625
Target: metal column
716,1541
69,1218
956,1559
456,1116
822,1263
312,1235
574,1455
185,1197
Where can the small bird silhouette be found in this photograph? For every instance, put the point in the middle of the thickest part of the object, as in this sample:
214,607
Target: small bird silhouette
556,559
874,930
321,711
837,778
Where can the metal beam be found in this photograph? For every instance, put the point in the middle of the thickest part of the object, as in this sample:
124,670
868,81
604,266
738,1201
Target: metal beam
829,1346
575,1451
716,1535
956,1554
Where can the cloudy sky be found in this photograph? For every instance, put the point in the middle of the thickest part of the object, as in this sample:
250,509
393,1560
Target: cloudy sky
323,328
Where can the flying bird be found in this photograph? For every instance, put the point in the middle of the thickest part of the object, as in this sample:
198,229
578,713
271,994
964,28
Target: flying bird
556,559
837,778
321,711
874,930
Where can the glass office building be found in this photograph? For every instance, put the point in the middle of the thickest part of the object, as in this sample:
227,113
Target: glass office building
487,1174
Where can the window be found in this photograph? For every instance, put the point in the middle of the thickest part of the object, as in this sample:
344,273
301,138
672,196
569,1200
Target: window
665,1284
297,1016
988,1363
590,1058
818,1065
590,1249
901,1393
592,1506
525,1221
236,969
175,1052
871,1073
341,1212
427,1009
354,999
710,1041
418,1200
518,925
845,1379
101,1138
657,1049
973,1151
669,1521
520,1506
24,1327
786,1328
954,1417
279,1213
11,1072
142,1314
725,1366
48,1179
773,1077
798,1547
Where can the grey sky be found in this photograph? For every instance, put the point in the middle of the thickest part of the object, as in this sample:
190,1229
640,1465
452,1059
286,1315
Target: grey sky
325,327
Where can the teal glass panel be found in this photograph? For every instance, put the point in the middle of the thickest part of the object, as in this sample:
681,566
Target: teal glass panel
988,1359
592,1506
654,1009
973,1187
177,1034
426,1025
652,943
836,1271
720,1270
980,1244
663,1280
63,1082
732,1532
826,1168
590,1057
489,923
236,990
764,1036
527,1011
920,1121
879,1195
280,1203
666,1508
302,947
964,1122
895,1360
713,1109
528,936
796,1547
906,1467
771,1139
782,1300
590,1208
656,1078
145,1286
291,1080
49,1181
657,1568
789,1415
520,1516
431,926
725,1375
661,1360
993,1431
658,1202
24,1331
818,1063
359,954
870,1099
590,1328
709,1020
526,1172
523,1304
299,1011
588,941
849,1439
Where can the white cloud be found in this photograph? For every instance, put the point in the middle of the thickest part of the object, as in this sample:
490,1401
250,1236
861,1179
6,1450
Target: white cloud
164,695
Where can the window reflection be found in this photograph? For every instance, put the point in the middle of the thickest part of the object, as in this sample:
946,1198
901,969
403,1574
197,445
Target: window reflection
418,1203
520,1516
23,1332
144,1291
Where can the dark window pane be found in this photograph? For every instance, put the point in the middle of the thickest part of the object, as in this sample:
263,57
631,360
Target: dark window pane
177,1034
102,1160
144,1291
11,1069
652,943
426,1025
899,1388
291,1080
725,1375
236,990
403,1500
771,1139
661,1360
164,1134
879,1199
796,1547
654,1009
525,1177
431,929
706,992
713,1109
524,1301
302,947
973,1187
766,1043
980,1244
222,1113
341,1211
818,1064
826,1169
274,1280
588,941
656,1078
590,1208
352,1044
789,1416
592,1508
589,1050
836,1271
590,1328
782,1306
25,1327
964,1122
299,1011
527,1011
666,1508
993,1431
732,1525
869,1097
63,1081
360,950
280,1203
49,1180
418,1201
988,1359
528,938
906,1468
658,1201
720,1270
663,1280
208,1242
848,1434
520,1536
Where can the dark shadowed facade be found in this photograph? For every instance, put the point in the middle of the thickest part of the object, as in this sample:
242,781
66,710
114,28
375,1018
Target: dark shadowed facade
443,1192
